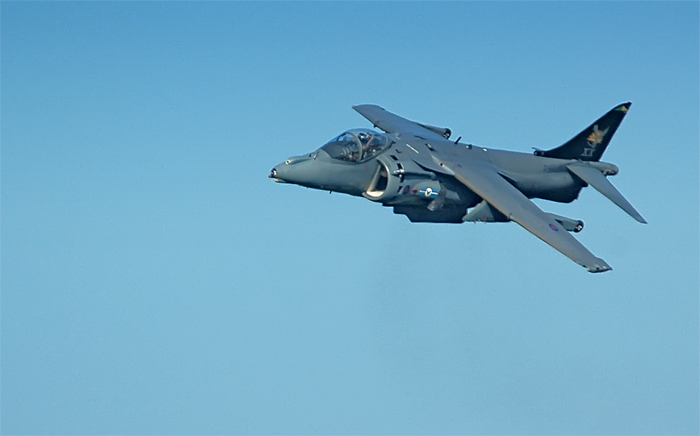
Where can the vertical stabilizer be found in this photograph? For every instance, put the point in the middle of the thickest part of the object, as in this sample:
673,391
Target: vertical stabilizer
590,144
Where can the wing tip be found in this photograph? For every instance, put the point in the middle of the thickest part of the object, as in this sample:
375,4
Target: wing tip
359,107
598,267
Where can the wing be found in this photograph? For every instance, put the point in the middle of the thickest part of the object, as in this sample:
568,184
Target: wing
482,178
392,123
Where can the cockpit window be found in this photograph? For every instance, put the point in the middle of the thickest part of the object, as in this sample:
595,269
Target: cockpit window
356,145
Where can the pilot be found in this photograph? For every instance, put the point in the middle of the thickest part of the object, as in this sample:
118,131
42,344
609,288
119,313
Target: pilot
366,140
348,146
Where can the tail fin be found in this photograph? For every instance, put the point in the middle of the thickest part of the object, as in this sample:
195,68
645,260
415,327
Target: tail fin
590,144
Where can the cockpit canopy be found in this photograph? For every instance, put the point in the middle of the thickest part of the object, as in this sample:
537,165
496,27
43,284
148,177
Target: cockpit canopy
356,145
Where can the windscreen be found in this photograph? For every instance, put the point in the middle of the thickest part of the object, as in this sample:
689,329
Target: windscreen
356,145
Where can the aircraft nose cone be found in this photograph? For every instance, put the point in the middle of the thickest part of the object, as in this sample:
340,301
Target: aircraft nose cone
279,173
294,170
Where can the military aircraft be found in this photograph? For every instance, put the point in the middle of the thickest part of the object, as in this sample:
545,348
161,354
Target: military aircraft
416,169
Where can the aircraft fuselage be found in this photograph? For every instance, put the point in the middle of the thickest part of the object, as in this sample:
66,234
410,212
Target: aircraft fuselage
535,176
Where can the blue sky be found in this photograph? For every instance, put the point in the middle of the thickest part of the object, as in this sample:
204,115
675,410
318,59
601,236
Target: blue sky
155,281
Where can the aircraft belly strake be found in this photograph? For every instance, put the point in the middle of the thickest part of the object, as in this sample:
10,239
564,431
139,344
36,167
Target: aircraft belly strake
418,171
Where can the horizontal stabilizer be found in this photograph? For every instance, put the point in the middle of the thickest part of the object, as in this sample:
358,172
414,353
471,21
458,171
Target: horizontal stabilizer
596,179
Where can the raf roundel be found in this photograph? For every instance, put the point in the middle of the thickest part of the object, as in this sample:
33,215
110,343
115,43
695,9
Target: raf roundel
553,227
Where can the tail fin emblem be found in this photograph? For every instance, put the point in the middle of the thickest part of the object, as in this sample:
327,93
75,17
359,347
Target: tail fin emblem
595,138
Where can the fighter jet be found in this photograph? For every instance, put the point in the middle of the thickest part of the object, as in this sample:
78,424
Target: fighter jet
420,172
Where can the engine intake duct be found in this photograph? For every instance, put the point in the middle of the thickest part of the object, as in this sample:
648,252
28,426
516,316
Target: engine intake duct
395,180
